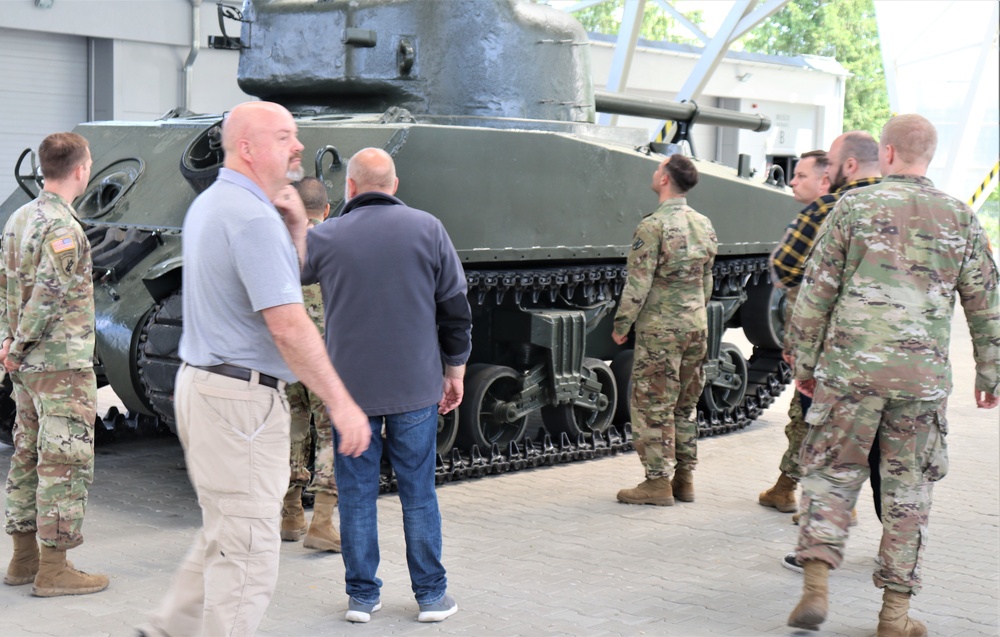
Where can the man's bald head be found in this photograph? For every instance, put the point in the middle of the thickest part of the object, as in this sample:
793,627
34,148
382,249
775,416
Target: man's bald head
913,140
852,156
371,170
248,121
260,141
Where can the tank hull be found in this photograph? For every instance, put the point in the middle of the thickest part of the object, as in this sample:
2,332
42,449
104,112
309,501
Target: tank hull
522,205
540,203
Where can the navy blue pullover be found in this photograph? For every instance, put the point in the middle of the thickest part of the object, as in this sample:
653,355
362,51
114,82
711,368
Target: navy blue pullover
394,293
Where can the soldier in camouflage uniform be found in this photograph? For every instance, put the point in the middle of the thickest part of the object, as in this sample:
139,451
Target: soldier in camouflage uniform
47,325
308,412
872,328
669,284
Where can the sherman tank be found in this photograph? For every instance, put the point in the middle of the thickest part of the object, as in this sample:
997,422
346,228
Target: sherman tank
488,108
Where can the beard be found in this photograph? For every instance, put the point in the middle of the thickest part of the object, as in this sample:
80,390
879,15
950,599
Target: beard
296,174
839,179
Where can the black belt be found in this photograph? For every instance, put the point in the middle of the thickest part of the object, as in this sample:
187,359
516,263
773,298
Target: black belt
241,373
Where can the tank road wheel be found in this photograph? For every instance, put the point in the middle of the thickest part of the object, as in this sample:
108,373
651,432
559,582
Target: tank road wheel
576,420
763,315
447,432
621,367
8,411
727,391
481,419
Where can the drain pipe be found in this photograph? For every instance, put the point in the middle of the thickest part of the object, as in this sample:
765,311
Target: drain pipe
193,53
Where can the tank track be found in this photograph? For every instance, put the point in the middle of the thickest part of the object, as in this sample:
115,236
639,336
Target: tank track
767,372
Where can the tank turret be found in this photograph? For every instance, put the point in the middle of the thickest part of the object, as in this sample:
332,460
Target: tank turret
487,108
502,58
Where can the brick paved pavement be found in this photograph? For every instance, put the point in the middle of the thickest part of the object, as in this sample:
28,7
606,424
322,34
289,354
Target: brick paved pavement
550,551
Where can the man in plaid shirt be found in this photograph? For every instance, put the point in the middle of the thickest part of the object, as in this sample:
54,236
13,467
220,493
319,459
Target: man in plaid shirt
851,163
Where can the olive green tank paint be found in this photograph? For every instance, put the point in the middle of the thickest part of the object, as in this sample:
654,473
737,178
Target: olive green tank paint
487,108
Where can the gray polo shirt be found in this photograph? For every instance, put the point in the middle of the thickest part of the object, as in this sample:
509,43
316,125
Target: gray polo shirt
238,260
394,292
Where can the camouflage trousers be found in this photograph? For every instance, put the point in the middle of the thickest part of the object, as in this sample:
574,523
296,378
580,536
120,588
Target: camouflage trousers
53,461
308,411
910,435
667,379
795,431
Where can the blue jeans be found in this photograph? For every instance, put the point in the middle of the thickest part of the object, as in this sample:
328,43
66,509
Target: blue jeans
411,442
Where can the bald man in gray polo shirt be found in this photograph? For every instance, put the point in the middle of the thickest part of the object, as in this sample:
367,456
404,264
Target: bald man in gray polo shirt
246,334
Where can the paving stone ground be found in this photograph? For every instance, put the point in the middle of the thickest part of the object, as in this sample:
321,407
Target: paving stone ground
550,552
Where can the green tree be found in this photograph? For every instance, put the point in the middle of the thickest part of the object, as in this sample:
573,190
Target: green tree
657,24
841,29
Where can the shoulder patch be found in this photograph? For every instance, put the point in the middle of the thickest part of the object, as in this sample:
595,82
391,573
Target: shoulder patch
62,245
638,244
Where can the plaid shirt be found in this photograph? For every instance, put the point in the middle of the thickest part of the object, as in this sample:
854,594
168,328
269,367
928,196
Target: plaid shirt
789,258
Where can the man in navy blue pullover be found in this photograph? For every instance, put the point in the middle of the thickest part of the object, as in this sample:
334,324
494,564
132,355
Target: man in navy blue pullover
398,330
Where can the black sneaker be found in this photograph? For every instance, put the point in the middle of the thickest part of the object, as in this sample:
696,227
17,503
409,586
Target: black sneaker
791,563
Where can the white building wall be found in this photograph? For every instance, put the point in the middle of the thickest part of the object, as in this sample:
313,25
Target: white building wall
805,105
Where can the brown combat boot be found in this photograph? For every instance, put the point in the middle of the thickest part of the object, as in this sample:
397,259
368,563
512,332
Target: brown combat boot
652,491
293,516
892,619
683,485
57,577
24,564
781,496
811,611
322,535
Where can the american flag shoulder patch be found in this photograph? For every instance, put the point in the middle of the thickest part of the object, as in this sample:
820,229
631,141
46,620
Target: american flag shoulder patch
62,245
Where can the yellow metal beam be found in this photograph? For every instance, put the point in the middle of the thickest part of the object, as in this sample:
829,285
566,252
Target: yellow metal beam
985,188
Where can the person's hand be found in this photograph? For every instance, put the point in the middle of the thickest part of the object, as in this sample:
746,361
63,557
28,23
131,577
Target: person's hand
454,388
619,338
986,400
8,364
353,428
290,206
806,387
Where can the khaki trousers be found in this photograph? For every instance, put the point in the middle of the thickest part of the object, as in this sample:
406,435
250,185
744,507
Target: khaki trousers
236,441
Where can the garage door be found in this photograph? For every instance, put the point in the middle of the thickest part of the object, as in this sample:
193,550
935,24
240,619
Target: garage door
43,89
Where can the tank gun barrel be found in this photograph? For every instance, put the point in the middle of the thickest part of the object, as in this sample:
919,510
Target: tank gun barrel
688,112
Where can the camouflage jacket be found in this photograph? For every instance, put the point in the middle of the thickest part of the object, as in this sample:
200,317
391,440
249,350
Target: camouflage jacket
669,271
789,259
313,299
46,287
874,312
311,295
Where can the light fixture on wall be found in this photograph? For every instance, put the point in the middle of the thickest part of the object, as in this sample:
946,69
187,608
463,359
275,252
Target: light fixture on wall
44,4
744,77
